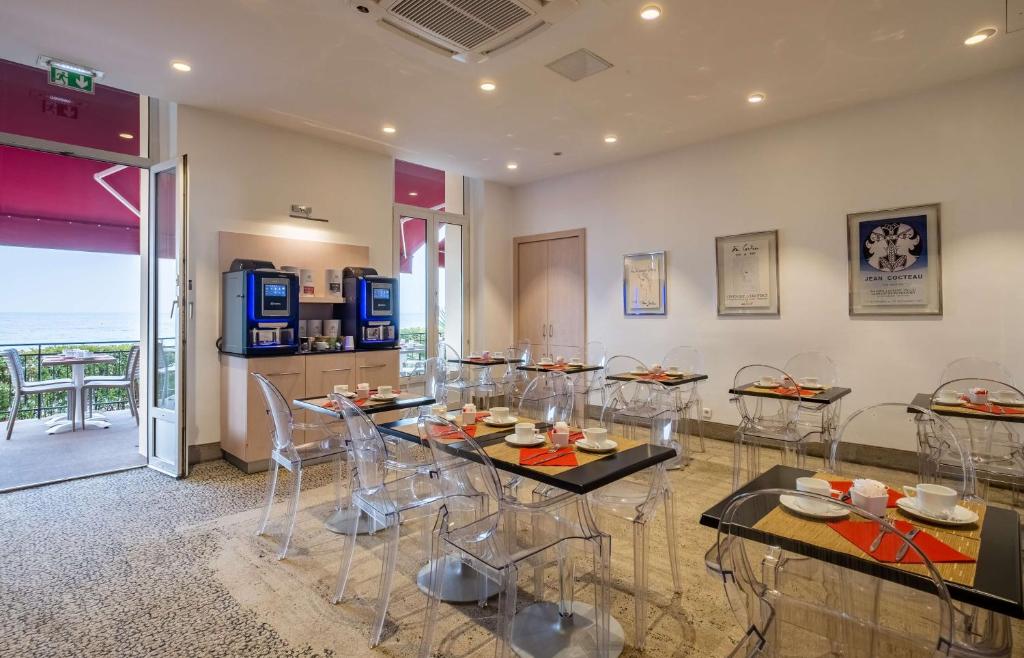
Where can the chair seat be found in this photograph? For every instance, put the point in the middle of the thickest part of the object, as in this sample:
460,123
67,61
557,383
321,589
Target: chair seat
501,547
399,496
115,382
327,447
106,378
622,496
47,385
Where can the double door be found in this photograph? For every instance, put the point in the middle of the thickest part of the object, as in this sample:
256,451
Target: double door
550,294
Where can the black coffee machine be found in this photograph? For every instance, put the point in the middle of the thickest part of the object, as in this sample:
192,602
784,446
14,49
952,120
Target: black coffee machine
260,309
370,311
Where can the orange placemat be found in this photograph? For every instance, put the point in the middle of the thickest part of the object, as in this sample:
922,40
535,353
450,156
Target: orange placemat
510,455
863,533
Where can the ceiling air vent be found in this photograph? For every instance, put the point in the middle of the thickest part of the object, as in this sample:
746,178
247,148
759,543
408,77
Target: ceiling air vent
579,64
468,30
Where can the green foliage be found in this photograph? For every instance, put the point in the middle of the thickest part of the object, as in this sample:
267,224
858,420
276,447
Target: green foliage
46,404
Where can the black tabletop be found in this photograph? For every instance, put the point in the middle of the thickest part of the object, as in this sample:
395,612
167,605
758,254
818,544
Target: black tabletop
669,381
580,480
827,396
569,369
924,400
997,581
491,361
404,401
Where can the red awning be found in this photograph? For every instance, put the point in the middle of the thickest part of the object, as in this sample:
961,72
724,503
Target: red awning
414,238
52,201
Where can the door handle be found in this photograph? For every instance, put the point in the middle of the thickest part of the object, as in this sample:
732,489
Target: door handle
551,331
544,331
174,305
190,305
376,365
282,374
337,370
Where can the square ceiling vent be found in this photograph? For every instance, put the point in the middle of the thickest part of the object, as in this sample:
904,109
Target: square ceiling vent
578,65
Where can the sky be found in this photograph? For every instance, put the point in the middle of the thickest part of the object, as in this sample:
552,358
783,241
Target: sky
52,280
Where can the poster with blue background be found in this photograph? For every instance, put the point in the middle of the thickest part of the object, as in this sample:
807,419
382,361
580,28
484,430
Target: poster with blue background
894,261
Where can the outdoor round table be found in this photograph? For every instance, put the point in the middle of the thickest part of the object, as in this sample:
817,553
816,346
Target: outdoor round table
78,364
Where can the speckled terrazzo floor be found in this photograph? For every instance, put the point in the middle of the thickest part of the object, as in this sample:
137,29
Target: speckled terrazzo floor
135,564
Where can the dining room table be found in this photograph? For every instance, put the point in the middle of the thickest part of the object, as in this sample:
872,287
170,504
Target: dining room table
78,362
965,409
664,378
539,628
341,520
990,579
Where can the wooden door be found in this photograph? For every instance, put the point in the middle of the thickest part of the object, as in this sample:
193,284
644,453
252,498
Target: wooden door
531,297
566,309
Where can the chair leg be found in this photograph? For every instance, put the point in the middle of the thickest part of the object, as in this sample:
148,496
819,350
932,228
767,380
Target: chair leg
700,423
602,588
132,406
506,612
386,576
430,618
673,546
271,489
15,403
293,511
346,559
737,456
640,546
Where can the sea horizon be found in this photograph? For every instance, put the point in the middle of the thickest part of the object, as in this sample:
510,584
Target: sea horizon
19,328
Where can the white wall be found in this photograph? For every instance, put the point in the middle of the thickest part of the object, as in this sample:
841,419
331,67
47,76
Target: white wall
491,282
961,145
243,177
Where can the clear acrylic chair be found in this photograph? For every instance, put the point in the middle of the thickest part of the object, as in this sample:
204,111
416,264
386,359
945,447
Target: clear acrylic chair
866,616
21,388
973,366
547,398
286,454
493,546
467,380
633,406
764,420
513,379
388,492
945,458
816,418
995,447
689,404
594,382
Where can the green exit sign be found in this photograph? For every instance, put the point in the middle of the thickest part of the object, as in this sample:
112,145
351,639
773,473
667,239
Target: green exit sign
71,80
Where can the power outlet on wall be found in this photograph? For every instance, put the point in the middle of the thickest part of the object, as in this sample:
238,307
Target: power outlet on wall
706,413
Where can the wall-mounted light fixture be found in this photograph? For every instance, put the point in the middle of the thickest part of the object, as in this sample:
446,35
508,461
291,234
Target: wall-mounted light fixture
300,211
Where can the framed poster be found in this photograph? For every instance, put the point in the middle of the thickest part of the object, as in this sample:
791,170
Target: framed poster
895,265
748,273
643,283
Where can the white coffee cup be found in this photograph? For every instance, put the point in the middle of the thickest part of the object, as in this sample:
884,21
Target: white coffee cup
656,368
575,360
673,370
385,389
559,359
809,381
933,499
499,414
363,390
596,436
341,389
525,431
814,486
486,354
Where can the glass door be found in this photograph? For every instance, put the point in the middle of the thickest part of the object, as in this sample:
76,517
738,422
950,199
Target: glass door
432,275
169,311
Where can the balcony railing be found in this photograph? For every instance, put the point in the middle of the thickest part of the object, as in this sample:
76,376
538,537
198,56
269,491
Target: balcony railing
413,353
41,405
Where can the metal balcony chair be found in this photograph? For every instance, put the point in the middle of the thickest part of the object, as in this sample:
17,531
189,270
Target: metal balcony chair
22,388
127,381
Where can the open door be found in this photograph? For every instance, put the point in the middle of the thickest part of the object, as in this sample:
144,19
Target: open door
169,314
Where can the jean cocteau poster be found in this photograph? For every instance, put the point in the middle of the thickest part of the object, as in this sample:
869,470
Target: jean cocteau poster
895,266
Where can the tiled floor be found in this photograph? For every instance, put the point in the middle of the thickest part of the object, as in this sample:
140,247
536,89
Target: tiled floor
32,456
136,564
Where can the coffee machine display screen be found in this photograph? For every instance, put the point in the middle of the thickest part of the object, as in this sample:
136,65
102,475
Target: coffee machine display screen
274,298
380,299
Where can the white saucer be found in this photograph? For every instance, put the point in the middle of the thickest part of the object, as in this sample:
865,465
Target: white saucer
637,371
545,363
766,386
384,398
955,403
508,422
1007,402
348,395
793,503
961,515
513,440
812,387
608,445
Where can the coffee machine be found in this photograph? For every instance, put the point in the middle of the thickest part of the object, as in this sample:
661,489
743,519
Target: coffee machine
370,312
260,309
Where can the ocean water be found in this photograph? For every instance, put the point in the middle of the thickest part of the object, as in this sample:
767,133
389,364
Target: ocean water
34,328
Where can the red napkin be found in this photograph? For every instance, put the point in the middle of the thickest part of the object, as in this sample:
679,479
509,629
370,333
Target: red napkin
329,404
791,390
653,378
862,533
573,436
449,433
995,409
842,486
566,457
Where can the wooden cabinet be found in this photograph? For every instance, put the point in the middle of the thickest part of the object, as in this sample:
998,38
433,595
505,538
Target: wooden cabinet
550,294
245,426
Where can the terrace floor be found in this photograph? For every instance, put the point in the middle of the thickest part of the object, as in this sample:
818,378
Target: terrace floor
33,457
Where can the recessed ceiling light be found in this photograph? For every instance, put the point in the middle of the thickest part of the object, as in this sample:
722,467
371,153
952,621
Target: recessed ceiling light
391,130
650,12
126,136
414,193
756,97
487,85
184,67
512,165
979,36
610,139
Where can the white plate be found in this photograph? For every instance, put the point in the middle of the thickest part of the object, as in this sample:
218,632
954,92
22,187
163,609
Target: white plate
812,387
1007,402
608,445
508,422
513,440
384,398
766,386
961,515
639,371
793,503
545,363
348,395
955,403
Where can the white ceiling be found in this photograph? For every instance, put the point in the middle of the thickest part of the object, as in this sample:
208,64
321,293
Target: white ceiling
320,67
